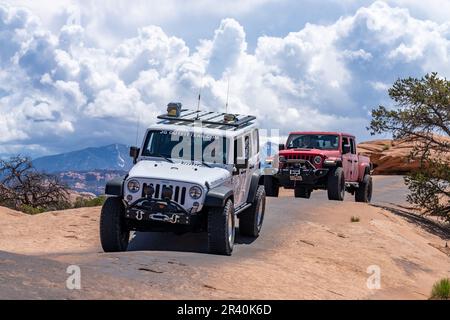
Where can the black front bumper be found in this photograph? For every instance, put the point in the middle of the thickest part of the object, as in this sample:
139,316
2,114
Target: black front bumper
294,177
159,211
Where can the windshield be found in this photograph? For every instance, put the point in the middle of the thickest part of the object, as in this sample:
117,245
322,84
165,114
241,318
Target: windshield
186,146
313,141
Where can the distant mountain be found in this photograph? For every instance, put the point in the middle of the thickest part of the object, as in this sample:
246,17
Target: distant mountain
112,157
92,181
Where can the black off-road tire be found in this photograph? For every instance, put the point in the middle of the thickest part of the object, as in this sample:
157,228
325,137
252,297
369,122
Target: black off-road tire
251,220
114,234
364,192
220,241
271,186
336,184
301,192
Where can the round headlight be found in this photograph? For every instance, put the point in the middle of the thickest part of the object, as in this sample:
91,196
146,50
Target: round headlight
133,186
318,160
195,192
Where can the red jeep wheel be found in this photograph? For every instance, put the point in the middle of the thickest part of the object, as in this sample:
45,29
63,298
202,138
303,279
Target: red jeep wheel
336,184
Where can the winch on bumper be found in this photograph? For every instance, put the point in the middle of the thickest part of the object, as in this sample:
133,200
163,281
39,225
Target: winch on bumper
300,172
157,210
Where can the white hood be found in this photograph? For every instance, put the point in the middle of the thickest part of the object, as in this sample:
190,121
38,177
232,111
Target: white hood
183,171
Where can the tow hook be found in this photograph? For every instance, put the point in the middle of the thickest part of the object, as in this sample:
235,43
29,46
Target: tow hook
139,215
164,218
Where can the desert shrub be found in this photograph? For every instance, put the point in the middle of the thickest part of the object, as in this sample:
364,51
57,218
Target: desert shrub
95,202
441,290
31,210
354,219
23,188
61,205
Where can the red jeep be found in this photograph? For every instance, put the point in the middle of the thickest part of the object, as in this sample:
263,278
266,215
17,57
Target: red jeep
320,160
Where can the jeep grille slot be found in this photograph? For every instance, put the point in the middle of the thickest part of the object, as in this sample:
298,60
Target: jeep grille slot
173,194
177,194
157,189
183,195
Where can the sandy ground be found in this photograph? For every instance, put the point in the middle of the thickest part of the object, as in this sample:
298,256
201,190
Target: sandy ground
308,249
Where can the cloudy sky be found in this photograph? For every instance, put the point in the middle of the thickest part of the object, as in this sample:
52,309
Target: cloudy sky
75,74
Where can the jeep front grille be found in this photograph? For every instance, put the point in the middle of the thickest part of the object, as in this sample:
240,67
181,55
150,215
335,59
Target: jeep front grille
178,194
300,157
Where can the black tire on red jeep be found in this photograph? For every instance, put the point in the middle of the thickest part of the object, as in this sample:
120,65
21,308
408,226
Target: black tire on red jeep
364,191
336,184
114,234
302,192
221,229
271,186
251,220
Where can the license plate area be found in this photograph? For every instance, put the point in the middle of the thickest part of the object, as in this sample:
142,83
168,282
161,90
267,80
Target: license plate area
295,175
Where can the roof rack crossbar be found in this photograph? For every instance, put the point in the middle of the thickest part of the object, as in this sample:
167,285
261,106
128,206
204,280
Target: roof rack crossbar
188,112
193,115
209,121
202,117
217,115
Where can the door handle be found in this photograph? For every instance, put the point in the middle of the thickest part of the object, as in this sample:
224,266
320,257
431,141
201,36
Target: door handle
252,166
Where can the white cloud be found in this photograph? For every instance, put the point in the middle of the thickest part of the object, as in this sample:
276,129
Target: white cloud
380,86
60,91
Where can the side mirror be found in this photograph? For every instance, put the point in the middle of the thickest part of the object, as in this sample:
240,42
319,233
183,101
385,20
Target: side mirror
134,153
281,146
346,149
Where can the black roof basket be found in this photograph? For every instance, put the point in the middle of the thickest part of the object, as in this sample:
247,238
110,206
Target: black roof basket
209,118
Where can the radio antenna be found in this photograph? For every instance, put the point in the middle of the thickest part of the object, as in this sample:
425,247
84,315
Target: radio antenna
228,94
199,98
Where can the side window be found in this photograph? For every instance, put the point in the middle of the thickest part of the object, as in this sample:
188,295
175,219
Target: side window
241,148
248,147
255,139
344,142
237,149
353,146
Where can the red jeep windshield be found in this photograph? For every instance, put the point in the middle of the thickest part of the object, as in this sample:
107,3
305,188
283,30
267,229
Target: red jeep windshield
313,141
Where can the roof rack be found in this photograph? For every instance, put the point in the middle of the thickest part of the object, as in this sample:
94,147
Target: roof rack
227,121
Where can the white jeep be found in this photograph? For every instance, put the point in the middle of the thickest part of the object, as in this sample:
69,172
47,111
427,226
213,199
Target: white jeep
195,171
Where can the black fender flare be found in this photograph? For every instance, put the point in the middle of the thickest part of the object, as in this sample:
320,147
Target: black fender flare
217,197
114,187
257,180
336,165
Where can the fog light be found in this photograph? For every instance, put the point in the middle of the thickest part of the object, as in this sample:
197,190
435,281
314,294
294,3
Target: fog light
195,206
129,197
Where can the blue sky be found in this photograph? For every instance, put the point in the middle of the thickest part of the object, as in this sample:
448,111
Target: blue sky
80,73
